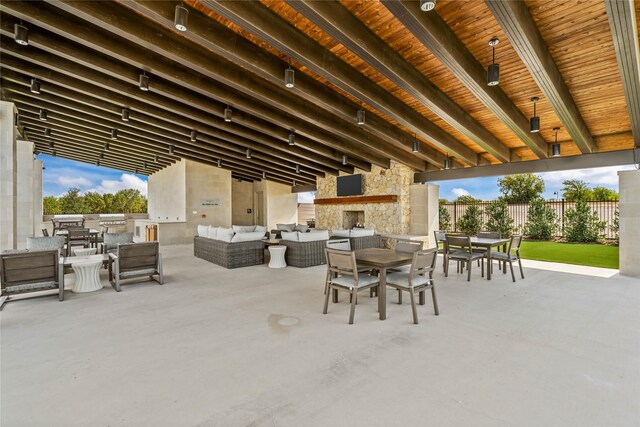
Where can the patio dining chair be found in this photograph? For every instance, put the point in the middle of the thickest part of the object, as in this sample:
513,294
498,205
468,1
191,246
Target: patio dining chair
458,248
344,276
344,245
512,254
486,235
417,280
440,237
77,237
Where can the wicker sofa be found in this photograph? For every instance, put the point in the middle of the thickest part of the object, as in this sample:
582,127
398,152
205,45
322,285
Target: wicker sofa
364,242
229,255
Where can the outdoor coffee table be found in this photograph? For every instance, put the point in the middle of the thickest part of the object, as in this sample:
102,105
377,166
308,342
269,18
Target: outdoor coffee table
382,259
87,276
277,256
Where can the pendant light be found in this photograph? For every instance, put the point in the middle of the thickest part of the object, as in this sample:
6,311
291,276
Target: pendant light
144,82
53,153
289,77
248,153
555,148
21,34
293,183
227,114
125,114
35,86
98,162
194,136
51,144
101,156
360,116
292,138
416,145
264,175
171,150
297,168
156,159
534,122
219,163
47,132
493,72
344,160
135,171
181,18
447,163
144,164
427,5
43,115
106,146
114,133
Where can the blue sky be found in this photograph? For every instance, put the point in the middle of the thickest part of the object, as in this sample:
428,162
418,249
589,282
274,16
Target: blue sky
61,174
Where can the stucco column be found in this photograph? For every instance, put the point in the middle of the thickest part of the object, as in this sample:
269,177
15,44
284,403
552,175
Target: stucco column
7,176
629,222
424,218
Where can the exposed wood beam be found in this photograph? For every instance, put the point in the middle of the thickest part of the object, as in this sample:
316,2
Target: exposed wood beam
268,26
133,56
240,89
335,20
583,161
624,28
516,21
303,188
431,30
226,43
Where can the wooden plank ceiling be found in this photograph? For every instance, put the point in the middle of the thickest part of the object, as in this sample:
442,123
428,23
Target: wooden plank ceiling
418,75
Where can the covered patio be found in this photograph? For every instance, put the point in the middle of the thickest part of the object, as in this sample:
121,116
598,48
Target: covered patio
559,348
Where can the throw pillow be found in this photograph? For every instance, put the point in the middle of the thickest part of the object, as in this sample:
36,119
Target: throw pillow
301,228
213,232
203,230
225,234
314,236
287,235
45,243
247,237
340,233
237,228
361,232
285,227
261,228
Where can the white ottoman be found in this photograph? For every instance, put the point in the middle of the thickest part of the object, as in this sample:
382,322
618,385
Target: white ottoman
87,276
84,251
277,256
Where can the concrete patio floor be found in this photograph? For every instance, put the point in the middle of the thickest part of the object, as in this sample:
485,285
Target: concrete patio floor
251,347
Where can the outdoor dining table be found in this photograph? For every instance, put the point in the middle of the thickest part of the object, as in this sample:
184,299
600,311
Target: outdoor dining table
486,244
382,259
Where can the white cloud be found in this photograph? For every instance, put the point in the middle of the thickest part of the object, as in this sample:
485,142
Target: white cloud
73,181
126,181
306,197
596,177
460,192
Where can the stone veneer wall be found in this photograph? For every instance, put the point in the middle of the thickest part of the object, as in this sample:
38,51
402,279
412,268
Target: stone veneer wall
383,217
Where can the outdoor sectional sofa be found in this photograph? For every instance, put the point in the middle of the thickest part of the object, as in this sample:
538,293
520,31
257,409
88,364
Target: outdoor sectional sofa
229,255
305,249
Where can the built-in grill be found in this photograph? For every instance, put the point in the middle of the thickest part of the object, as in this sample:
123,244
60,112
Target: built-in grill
108,220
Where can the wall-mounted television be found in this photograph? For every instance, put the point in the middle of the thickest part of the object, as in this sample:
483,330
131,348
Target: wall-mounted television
350,185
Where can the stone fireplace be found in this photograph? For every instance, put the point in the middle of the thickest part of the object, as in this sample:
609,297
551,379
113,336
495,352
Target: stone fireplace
351,218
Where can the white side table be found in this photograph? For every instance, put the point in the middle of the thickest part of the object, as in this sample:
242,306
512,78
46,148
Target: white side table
87,276
277,256
84,251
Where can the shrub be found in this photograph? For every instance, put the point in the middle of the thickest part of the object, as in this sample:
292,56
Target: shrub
582,224
444,217
615,227
541,222
471,221
499,219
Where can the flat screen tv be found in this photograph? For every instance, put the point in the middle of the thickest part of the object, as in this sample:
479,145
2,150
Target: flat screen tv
350,185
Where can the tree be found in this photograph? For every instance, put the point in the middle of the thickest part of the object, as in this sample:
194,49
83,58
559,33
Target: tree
51,205
521,188
471,221
72,202
466,199
444,217
582,224
541,222
615,226
575,190
603,194
498,218
94,203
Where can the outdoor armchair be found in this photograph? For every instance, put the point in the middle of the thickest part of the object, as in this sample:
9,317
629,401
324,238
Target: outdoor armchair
24,272
135,260
112,240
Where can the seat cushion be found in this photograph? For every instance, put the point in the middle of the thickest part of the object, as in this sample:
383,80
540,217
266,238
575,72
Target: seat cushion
138,272
503,256
349,282
289,235
313,236
247,236
362,232
402,279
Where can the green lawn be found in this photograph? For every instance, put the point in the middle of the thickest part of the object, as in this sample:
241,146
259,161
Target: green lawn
571,253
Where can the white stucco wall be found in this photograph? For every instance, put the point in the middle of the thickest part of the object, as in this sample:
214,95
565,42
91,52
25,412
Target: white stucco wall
7,176
203,183
25,189
282,204
166,193
629,223
242,199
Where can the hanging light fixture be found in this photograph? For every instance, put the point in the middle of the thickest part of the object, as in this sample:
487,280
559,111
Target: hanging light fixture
534,122
493,72
181,18
289,77
360,116
227,114
106,146
293,183
555,148
427,5
416,145
144,82
292,138
156,159
43,115
248,153
47,132
297,168
51,145
219,163
144,164
194,136
21,34
344,160
53,153
171,150
125,114
35,86
264,175
447,163
135,171
101,156
98,162
114,133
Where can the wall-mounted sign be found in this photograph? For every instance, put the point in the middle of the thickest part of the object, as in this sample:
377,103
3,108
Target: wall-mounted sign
210,203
